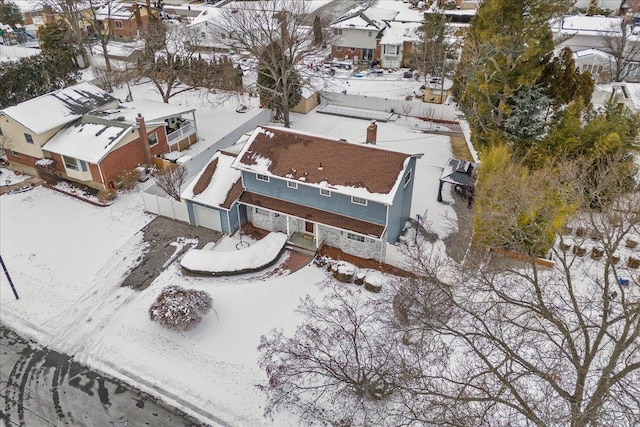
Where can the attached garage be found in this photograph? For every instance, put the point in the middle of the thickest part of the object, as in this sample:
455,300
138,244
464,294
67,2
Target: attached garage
207,217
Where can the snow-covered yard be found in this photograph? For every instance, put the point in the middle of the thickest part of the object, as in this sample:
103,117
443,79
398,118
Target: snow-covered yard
68,258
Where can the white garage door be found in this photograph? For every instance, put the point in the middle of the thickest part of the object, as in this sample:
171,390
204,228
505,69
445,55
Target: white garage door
208,218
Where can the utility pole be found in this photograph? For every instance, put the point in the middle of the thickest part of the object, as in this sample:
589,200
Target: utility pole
4,267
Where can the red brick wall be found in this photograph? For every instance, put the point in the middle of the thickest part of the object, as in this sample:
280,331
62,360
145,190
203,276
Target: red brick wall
407,49
22,159
127,157
162,146
131,26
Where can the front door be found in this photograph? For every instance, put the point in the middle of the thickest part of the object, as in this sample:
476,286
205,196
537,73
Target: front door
367,54
308,227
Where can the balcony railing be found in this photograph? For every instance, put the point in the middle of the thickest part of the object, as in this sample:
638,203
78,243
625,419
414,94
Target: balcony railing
182,132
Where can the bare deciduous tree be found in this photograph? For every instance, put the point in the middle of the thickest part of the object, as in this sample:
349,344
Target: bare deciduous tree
174,66
281,35
171,179
335,365
623,46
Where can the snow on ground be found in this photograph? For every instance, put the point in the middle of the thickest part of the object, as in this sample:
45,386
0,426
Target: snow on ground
9,177
67,259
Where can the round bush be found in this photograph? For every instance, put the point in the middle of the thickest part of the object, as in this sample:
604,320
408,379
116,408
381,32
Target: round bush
179,308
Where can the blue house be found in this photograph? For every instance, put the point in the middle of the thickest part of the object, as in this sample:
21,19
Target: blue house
325,192
212,197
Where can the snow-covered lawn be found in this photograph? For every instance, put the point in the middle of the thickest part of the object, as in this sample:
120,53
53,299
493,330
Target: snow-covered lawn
9,177
67,259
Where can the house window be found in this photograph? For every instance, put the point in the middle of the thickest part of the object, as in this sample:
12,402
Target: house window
83,165
359,201
391,49
153,139
292,184
337,31
263,178
325,192
261,211
15,153
407,178
370,33
1,132
338,48
70,163
356,237
119,25
203,35
28,138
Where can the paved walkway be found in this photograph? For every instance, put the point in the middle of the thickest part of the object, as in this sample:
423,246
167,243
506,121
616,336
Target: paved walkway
33,181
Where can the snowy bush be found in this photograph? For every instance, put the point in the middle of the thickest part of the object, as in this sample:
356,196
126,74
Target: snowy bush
180,309
46,169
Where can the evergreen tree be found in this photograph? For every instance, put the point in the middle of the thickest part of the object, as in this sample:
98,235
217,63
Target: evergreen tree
510,41
57,44
564,83
272,90
10,14
527,122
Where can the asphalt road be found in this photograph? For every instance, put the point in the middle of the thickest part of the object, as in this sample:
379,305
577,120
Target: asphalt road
40,387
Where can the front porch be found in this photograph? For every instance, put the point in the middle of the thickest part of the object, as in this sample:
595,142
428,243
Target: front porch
305,242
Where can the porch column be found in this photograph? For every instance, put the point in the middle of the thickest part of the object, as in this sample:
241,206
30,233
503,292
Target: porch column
195,126
288,232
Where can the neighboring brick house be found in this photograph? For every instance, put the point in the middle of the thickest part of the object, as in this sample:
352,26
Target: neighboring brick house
357,32
125,21
326,192
90,135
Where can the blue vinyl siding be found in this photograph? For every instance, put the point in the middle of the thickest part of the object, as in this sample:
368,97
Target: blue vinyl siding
400,210
310,196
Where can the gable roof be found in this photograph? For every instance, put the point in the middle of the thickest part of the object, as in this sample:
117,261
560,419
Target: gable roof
98,132
356,170
58,108
87,139
217,185
368,18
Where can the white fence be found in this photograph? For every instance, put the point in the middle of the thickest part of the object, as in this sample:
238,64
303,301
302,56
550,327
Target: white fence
412,108
165,206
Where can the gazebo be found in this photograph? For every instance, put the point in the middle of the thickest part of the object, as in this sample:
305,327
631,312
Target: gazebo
461,174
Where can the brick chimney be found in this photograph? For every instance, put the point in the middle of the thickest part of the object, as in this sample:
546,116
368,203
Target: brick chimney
144,138
372,133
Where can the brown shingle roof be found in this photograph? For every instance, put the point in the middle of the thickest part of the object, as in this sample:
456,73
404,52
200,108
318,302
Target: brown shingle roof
233,194
205,178
315,159
313,215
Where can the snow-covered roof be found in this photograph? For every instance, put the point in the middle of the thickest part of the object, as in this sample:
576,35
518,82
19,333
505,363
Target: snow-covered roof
152,111
399,32
369,18
209,14
217,185
116,10
362,171
29,5
591,52
590,25
87,140
630,91
12,53
93,137
58,108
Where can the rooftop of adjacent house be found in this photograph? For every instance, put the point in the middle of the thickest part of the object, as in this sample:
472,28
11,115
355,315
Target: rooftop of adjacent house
365,18
590,25
357,170
592,52
218,184
58,108
404,11
209,14
13,53
29,5
152,111
87,140
116,10
399,32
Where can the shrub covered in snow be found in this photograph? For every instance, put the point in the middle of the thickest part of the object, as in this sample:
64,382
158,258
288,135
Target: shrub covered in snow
46,169
180,309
